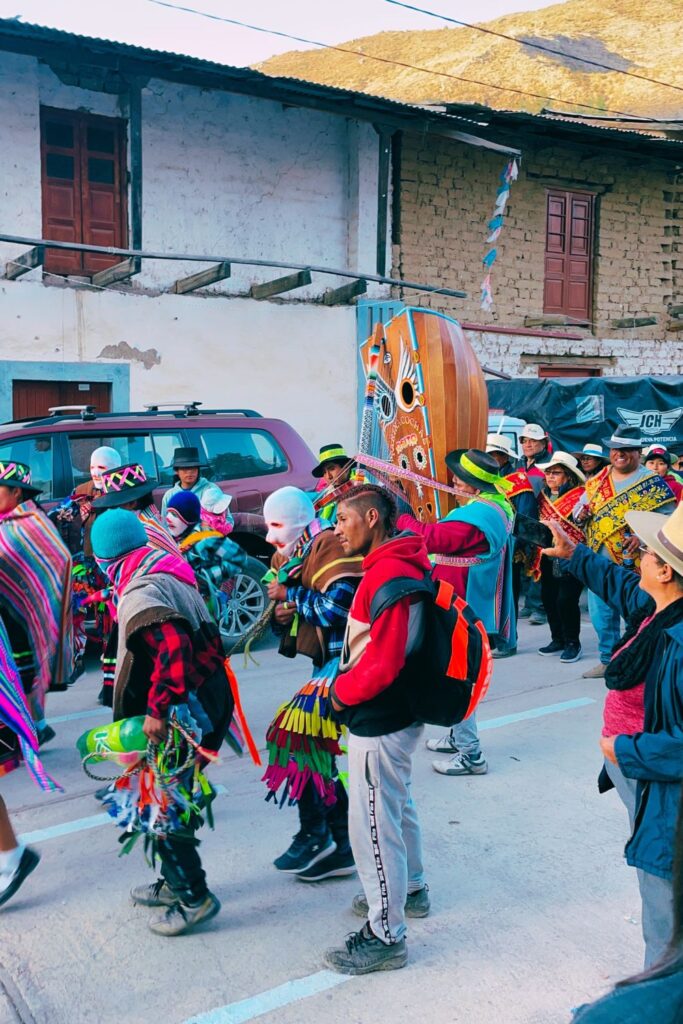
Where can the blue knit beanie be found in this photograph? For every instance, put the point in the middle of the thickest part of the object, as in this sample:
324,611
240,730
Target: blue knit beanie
117,532
186,504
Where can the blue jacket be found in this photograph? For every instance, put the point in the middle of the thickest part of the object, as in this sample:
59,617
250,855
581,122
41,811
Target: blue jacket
655,756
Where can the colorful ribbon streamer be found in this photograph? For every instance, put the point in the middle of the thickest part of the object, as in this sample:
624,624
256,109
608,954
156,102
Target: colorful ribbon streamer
495,226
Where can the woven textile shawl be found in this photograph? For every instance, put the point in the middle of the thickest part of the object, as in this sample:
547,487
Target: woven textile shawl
35,584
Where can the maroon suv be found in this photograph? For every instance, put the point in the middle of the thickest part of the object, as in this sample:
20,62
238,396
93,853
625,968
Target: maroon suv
247,455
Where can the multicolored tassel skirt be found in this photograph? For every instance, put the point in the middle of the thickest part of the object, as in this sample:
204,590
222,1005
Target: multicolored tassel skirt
303,741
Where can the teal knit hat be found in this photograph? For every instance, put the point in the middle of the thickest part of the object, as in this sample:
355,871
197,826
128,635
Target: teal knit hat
115,533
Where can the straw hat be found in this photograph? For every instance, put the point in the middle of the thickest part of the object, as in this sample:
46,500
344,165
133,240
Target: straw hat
663,534
565,460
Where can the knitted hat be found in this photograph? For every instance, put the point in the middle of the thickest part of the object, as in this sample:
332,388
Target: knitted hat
187,506
117,532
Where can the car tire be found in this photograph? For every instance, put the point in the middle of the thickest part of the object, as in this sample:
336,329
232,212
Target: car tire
246,602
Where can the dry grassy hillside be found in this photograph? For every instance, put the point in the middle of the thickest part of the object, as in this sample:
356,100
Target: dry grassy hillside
637,35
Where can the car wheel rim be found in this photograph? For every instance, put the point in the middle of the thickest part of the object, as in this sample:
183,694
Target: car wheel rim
244,608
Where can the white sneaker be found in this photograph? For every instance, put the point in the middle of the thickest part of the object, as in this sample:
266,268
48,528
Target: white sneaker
461,764
443,744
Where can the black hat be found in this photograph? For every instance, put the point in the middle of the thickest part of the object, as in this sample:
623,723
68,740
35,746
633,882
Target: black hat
331,453
477,469
18,474
624,437
124,484
186,458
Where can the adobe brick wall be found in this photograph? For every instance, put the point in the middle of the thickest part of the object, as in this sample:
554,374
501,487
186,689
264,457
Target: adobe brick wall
447,196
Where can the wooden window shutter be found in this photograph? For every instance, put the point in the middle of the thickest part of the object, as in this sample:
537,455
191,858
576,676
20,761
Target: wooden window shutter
569,254
84,187
61,188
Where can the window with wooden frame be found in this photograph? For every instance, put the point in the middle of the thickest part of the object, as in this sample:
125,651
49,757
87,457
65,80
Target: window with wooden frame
84,181
569,240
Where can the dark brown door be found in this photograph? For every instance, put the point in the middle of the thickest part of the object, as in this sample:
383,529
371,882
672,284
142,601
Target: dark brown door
84,187
569,254
34,398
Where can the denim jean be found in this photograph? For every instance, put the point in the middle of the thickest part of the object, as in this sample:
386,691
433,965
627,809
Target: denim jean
606,624
466,737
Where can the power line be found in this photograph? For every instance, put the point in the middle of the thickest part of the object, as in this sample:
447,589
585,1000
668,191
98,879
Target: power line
535,46
387,60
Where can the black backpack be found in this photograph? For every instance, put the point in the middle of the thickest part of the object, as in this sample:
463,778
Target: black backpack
451,670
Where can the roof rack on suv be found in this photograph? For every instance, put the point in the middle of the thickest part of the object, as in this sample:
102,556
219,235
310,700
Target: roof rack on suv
189,408
87,411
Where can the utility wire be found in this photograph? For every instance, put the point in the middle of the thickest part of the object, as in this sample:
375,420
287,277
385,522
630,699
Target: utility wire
535,46
387,60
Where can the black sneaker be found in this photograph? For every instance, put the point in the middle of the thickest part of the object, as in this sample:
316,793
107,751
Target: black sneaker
306,850
363,953
335,865
572,652
554,647
29,860
45,734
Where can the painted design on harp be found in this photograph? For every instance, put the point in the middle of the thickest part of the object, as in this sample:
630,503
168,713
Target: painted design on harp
412,363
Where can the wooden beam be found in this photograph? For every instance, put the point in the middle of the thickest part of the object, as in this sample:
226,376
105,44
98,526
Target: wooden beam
634,321
280,284
205,277
135,118
383,165
337,296
119,272
25,262
553,320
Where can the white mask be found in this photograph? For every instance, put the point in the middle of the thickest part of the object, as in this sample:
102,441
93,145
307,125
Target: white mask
175,524
101,461
287,513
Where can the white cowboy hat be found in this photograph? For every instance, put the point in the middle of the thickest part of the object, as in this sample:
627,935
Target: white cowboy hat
567,461
500,443
663,534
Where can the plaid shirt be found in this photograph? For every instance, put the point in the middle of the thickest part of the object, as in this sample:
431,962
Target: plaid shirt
328,611
178,666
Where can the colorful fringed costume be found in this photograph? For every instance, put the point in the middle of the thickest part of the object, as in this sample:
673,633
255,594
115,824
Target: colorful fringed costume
303,738
18,740
35,594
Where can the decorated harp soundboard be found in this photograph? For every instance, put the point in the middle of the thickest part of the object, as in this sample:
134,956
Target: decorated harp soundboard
425,396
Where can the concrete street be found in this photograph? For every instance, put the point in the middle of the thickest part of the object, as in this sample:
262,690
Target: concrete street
533,909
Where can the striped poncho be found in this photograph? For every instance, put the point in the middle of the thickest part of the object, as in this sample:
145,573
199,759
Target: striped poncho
15,715
35,587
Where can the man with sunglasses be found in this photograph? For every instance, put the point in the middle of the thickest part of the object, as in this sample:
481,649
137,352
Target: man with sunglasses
621,487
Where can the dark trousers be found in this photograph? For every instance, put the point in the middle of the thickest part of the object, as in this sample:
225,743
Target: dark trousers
317,818
181,866
561,601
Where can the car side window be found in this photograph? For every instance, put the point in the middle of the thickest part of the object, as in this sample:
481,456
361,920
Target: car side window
233,454
164,449
154,452
37,453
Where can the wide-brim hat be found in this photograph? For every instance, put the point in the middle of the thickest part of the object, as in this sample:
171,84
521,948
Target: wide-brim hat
186,458
124,484
533,431
477,469
500,443
18,474
624,437
593,451
565,460
663,534
330,453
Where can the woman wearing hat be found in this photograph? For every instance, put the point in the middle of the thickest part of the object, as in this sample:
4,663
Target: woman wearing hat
642,736
35,592
592,458
560,590
658,459
187,465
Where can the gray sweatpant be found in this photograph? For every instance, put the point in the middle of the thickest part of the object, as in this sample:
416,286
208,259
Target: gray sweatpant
656,893
383,826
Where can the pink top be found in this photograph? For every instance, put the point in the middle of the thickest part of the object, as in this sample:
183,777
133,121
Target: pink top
624,710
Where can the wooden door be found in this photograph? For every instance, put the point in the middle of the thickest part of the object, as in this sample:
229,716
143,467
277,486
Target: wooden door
569,254
34,398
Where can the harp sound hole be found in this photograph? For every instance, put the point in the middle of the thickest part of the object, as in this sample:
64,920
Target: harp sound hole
386,408
403,462
407,393
430,508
